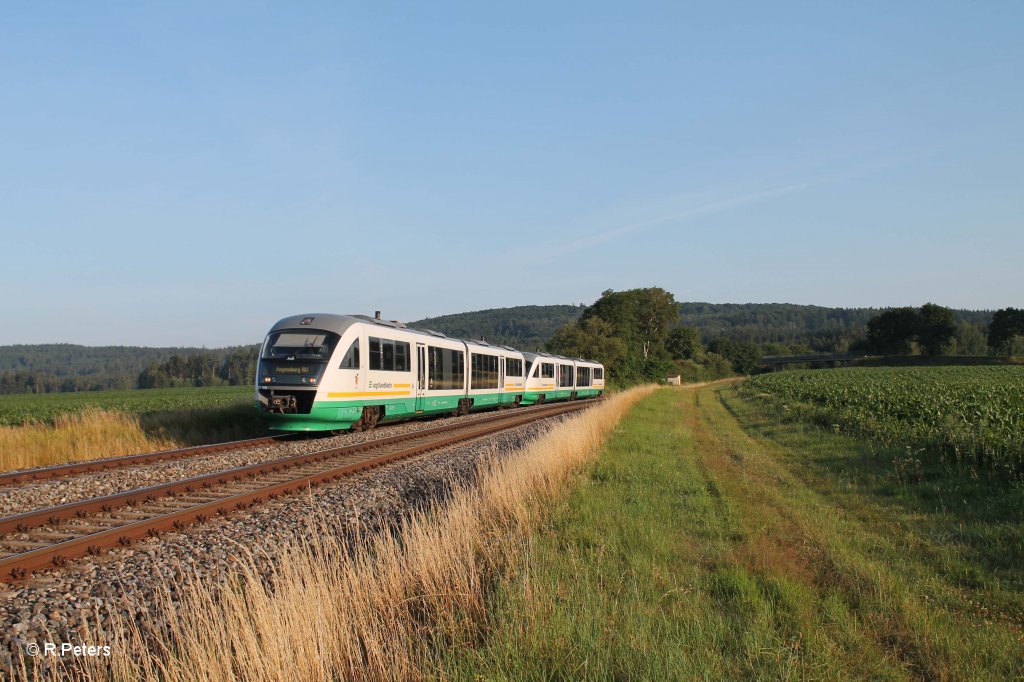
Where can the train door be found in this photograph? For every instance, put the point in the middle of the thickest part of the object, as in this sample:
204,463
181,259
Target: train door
501,378
421,376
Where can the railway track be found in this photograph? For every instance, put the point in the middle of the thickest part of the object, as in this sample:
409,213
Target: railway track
45,473
50,538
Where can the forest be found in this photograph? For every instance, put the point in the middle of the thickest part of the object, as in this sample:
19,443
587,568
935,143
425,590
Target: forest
53,368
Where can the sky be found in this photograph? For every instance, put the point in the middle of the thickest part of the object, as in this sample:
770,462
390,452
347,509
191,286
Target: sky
189,173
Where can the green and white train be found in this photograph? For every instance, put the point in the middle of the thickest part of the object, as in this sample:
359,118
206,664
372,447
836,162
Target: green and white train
336,372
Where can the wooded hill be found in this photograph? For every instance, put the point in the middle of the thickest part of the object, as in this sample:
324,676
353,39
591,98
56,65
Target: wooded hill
526,327
47,368
777,327
816,327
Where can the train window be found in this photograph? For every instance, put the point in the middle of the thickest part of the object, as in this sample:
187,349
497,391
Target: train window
547,370
351,359
513,367
484,371
310,344
447,369
435,368
565,378
375,361
583,377
599,373
459,368
388,355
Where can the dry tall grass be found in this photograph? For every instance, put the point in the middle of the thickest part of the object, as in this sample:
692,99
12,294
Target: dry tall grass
72,438
375,610
95,434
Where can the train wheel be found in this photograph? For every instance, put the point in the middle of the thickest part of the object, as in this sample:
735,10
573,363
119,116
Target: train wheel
371,415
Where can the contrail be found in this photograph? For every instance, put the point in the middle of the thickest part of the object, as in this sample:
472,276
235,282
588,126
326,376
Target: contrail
704,209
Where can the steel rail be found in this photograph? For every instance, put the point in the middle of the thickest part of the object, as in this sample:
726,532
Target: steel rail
18,566
53,515
44,473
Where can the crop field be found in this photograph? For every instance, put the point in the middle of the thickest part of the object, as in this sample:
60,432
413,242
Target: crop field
972,415
16,410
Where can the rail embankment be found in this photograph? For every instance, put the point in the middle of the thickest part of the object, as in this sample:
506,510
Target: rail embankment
378,606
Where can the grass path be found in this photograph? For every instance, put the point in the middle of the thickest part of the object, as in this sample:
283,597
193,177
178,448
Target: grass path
710,542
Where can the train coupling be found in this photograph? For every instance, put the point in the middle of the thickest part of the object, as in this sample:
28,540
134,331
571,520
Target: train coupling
282,404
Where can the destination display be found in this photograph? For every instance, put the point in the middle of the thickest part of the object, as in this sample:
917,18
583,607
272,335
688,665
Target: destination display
290,372
290,369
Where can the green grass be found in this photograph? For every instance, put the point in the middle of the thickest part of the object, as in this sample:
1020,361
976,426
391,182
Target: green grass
45,408
711,541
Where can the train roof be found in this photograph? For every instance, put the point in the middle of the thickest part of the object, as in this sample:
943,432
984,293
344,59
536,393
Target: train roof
531,356
339,324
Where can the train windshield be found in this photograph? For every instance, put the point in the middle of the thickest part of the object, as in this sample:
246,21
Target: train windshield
308,344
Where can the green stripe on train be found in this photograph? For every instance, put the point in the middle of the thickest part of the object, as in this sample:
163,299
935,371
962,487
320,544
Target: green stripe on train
329,415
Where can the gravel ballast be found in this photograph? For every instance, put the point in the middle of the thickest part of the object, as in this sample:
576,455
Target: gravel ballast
51,606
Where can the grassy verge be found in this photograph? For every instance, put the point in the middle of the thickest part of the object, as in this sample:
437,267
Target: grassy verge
710,541
95,433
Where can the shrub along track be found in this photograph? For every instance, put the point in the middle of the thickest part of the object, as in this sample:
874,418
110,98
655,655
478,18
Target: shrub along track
49,538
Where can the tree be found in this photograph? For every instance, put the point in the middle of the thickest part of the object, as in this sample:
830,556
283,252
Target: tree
892,332
683,343
641,319
593,339
239,367
1006,324
970,339
936,327
745,357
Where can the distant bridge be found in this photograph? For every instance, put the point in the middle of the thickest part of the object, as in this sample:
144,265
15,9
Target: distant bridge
780,361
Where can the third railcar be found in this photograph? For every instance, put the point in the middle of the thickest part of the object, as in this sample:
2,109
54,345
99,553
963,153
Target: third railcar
332,372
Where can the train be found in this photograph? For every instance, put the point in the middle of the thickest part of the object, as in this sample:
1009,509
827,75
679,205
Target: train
327,372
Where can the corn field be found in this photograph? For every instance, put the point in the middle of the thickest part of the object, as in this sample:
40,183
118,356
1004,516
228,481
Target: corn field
970,415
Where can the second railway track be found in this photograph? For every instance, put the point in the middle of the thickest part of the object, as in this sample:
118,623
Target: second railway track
107,464
49,538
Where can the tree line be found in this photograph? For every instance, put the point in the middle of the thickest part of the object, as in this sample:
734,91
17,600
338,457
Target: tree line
229,366
236,368
640,335
933,330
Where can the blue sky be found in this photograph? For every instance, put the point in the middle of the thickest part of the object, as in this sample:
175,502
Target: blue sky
188,173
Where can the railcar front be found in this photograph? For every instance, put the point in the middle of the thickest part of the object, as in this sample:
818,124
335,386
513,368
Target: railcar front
541,381
296,372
